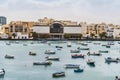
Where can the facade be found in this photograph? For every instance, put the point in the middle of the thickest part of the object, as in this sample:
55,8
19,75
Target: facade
20,30
3,20
57,29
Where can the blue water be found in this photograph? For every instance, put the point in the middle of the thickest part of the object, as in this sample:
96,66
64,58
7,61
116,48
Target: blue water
21,68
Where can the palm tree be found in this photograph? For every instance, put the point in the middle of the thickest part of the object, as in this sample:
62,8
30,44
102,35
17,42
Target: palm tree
80,35
92,35
14,35
103,35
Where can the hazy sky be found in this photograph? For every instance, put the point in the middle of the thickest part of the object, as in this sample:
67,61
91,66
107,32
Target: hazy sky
77,10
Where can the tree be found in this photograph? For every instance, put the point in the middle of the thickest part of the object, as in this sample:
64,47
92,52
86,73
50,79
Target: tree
66,36
103,35
80,35
92,35
14,35
34,35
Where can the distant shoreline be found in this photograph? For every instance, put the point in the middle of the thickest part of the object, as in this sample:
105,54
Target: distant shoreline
60,39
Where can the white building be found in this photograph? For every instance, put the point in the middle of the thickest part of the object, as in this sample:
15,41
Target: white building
57,29
116,33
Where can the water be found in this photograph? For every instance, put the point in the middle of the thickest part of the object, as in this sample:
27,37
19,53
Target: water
21,68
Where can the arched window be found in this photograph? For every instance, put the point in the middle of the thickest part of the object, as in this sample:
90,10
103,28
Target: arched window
56,28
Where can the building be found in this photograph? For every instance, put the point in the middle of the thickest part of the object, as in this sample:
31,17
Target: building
57,29
20,29
3,20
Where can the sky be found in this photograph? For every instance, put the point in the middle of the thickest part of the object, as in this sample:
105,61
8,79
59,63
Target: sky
90,11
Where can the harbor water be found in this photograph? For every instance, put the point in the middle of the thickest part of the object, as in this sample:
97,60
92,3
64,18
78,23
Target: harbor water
22,68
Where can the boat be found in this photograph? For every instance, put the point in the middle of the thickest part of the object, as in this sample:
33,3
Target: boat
91,62
109,59
84,44
52,58
75,51
58,46
83,48
42,63
107,46
59,74
49,52
117,78
97,43
77,56
69,44
8,44
31,53
94,54
24,44
100,51
2,72
78,70
71,66
9,56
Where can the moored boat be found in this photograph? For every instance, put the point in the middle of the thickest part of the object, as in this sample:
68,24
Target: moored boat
91,62
69,44
49,52
2,72
78,70
71,66
31,53
83,48
9,56
58,46
109,59
42,63
58,74
94,54
75,51
77,56
101,51
52,58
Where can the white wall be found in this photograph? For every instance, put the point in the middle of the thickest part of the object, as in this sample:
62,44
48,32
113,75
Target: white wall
41,29
116,33
72,29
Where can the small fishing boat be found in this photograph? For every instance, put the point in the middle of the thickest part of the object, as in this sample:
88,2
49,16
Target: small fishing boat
117,78
91,62
24,44
84,44
101,51
107,46
2,72
109,59
94,54
49,52
52,58
31,53
75,51
69,44
71,66
83,48
58,74
58,46
78,70
9,56
42,63
77,56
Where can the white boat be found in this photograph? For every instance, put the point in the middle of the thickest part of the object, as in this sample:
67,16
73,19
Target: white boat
53,58
2,72
75,51
49,52
91,62
71,66
69,44
59,74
